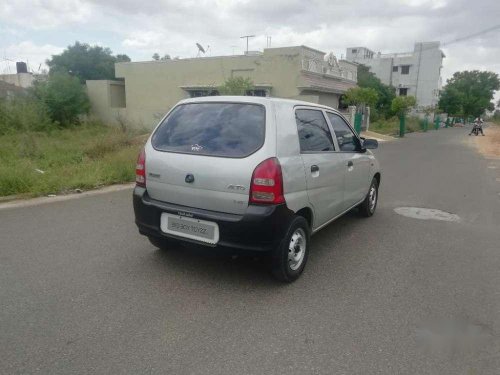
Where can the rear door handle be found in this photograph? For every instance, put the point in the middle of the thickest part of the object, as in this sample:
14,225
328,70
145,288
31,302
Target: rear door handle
314,168
350,163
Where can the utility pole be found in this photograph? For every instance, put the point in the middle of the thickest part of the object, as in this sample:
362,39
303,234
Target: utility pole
247,37
268,41
418,70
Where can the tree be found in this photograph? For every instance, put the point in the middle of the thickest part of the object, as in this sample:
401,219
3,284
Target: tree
361,97
157,57
469,93
236,86
402,104
385,92
64,97
86,62
122,58
450,101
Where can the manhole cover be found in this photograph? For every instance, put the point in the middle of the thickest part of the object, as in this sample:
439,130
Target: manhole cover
426,214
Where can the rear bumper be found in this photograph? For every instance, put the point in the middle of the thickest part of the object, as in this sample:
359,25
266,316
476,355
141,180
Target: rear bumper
261,228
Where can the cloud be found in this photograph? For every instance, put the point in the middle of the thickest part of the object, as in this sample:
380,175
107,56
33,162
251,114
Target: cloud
44,14
173,27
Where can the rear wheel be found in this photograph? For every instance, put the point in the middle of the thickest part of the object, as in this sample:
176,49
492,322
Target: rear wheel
367,208
290,257
162,243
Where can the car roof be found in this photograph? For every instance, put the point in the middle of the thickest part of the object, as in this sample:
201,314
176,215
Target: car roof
254,99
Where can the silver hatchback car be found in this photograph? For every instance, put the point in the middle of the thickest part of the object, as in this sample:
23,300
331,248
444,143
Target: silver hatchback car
251,173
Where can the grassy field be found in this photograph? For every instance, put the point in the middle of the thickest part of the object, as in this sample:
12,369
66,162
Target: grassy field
60,161
391,126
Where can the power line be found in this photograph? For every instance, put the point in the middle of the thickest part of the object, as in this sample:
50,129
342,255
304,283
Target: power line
460,39
472,35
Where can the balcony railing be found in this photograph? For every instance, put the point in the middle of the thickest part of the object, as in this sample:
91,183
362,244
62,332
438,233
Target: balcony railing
322,67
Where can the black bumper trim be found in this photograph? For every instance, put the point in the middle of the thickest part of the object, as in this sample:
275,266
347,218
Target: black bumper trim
261,228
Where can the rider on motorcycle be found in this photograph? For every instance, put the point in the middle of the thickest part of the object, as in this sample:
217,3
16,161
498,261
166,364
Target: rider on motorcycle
478,126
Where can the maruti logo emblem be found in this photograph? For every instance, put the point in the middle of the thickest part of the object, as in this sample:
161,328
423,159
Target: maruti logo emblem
236,187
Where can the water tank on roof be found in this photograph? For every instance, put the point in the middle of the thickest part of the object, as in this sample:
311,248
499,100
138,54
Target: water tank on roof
21,67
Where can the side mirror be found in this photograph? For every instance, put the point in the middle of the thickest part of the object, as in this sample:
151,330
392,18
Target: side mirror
370,144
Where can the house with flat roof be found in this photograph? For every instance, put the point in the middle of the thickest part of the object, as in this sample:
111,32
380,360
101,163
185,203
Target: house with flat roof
416,73
145,91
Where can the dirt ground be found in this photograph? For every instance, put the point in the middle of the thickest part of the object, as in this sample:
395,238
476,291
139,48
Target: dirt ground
489,145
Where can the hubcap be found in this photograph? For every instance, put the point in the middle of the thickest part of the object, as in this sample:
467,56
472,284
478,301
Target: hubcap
372,198
296,249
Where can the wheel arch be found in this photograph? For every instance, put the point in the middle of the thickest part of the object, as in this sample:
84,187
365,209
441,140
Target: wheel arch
307,214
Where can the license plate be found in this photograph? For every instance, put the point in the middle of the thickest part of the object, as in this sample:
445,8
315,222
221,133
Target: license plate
199,230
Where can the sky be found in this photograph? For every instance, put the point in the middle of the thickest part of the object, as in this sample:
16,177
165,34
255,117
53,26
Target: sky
34,30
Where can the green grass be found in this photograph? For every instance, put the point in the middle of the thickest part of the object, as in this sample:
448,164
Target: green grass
391,126
84,157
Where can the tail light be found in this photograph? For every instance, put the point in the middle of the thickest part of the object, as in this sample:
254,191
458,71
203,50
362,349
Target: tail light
267,183
140,169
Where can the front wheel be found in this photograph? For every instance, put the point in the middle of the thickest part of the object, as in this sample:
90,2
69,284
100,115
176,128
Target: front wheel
290,257
367,208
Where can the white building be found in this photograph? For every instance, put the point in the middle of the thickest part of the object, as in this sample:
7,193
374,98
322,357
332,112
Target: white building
416,73
22,78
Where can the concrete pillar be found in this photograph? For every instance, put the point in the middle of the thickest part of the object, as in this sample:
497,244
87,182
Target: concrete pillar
352,113
367,118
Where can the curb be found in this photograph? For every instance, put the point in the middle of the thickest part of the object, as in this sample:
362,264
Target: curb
19,203
379,137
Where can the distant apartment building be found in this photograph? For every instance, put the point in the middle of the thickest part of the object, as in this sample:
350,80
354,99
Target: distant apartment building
147,90
416,73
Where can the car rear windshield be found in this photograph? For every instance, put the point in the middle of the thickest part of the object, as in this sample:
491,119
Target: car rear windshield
216,129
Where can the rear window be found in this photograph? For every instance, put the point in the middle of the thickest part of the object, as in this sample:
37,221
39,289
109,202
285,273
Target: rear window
216,129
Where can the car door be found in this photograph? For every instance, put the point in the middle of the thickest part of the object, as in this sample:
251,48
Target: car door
356,162
324,171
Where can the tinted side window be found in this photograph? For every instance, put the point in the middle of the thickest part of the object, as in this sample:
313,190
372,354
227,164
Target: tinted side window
314,134
216,129
345,137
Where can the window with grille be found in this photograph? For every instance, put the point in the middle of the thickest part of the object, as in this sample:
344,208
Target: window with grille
405,69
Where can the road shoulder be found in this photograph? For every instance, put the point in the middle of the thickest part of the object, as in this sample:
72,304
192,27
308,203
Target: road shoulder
18,203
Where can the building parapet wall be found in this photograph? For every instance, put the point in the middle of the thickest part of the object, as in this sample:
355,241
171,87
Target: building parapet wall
151,88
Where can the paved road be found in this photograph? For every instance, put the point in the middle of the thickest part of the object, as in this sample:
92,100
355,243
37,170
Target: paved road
82,293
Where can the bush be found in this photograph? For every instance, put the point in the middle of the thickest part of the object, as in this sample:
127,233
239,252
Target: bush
64,97
24,113
391,126
361,97
236,86
374,115
84,157
402,104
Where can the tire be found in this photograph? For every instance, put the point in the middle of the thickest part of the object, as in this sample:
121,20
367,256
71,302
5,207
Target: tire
367,208
163,244
288,264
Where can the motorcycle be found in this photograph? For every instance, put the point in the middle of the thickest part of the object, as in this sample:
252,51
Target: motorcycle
476,129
